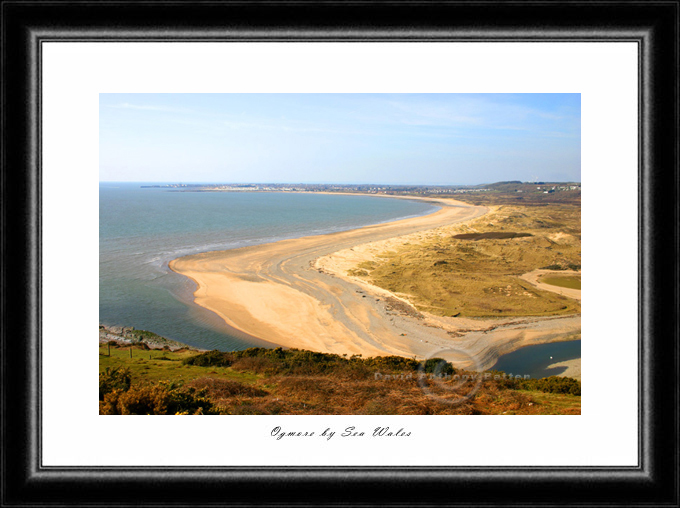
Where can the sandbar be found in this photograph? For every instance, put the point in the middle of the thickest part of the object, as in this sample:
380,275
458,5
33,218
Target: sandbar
569,368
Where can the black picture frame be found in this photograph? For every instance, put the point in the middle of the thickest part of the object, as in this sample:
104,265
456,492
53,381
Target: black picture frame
653,25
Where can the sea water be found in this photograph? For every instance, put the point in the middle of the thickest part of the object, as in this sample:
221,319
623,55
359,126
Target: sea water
142,229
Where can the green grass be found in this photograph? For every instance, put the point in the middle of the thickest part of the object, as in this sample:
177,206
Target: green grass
149,366
562,281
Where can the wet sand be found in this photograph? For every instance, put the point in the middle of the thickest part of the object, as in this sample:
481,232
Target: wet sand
572,368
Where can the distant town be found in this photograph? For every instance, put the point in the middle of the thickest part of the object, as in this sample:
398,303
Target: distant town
421,190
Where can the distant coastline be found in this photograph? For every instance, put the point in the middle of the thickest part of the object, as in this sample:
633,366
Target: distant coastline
568,189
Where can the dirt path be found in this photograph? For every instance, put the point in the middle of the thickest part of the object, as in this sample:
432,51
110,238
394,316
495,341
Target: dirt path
533,279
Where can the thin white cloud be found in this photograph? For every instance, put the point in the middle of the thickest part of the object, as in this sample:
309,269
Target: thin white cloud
477,112
142,107
291,126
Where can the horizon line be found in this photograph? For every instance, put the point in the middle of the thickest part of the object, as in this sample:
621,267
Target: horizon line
186,182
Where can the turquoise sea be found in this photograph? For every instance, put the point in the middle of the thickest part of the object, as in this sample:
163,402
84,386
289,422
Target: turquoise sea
142,229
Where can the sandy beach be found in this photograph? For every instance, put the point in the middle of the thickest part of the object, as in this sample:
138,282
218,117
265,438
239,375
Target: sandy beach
296,293
570,368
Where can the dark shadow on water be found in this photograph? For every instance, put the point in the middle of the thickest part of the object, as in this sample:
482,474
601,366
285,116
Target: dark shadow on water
535,360
554,371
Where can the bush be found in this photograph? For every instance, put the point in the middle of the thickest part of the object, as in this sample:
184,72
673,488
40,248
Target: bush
213,358
552,384
281,361
437,366
553,267
288,361
555,384
159,399
392,363
114,379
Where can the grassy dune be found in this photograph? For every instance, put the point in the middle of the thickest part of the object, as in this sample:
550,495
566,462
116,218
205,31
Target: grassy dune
275,381
472,269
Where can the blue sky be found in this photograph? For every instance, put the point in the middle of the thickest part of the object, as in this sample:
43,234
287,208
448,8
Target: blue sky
427,139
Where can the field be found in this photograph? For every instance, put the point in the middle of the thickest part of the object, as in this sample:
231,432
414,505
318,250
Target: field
563,282
471,270
275,381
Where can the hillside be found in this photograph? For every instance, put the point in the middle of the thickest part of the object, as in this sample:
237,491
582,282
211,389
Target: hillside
135,379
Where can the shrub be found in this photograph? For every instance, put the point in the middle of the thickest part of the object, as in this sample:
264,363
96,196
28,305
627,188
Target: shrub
281,361
210,359
287,361
114,379
392,363
555,384
278,353
552,384
437,366
159,399
553,267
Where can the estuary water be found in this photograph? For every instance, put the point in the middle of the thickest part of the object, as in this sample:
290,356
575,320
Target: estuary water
142,229
535,361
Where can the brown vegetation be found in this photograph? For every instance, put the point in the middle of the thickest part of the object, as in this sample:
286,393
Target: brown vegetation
261,381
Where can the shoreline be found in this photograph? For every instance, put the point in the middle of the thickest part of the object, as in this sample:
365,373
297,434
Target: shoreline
285,294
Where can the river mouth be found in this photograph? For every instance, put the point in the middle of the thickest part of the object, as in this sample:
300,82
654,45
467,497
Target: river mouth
535,361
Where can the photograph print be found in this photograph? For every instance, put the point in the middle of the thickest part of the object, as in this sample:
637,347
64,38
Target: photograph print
340,254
